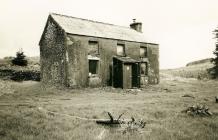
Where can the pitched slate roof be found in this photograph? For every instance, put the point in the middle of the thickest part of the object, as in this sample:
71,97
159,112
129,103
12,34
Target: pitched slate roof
78,26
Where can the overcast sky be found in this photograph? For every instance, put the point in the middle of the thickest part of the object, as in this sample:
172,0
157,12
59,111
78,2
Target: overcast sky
182,28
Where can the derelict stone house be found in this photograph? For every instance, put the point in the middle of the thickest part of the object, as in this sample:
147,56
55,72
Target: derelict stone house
78,52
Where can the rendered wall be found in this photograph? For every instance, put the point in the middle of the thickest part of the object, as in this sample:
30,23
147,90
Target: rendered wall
78,60
153,57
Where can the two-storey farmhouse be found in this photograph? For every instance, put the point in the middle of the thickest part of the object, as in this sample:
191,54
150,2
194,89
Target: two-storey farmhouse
77,52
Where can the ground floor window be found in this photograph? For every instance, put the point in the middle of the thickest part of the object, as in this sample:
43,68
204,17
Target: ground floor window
93,67
144,68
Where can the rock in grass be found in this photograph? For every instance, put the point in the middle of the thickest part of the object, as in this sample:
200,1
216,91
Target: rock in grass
198,110
209,113
187,95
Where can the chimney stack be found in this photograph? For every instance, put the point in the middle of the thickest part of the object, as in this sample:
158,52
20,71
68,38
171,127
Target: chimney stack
136,26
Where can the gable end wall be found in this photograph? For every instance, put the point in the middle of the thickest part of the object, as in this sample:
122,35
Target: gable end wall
52,55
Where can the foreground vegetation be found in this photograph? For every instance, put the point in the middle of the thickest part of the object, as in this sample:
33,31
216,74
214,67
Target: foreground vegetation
30,112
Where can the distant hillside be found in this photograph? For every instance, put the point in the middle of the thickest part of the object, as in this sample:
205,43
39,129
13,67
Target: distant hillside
33,60
196,69
203,61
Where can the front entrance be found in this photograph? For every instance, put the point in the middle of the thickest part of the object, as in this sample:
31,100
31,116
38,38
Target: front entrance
135,75
127,76
125,73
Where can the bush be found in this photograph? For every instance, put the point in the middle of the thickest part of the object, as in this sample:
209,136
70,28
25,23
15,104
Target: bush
20,59
214,70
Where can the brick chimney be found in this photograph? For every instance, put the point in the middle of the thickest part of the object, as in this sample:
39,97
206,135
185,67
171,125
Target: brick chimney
136,26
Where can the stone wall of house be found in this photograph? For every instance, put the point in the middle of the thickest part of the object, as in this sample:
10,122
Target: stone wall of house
52,58
77,56
78,69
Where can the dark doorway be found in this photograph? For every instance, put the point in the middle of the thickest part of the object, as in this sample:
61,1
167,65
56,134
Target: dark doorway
135,75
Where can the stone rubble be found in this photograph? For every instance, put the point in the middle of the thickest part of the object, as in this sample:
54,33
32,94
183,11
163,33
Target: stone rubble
198,110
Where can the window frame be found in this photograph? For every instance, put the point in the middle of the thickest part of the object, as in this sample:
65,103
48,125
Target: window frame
96,69
124,49
94,42
145,55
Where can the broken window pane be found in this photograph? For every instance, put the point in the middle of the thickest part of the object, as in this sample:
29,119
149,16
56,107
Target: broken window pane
93,66
144,68
143,51
120,50
93,48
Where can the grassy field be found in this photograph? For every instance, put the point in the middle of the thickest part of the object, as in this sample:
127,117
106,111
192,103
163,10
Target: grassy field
30,112
196,69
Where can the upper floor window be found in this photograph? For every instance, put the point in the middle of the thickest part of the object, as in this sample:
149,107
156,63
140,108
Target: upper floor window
121,49
143,51
93,48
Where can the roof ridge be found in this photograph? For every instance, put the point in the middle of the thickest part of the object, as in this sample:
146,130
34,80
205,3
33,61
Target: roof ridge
89,20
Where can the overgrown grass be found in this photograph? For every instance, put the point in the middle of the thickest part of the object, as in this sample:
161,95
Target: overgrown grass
24,112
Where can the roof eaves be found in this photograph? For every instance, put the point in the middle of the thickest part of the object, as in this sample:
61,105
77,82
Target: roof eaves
126,59
112,38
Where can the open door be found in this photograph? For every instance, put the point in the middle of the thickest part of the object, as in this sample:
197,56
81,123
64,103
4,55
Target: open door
127,76
126,72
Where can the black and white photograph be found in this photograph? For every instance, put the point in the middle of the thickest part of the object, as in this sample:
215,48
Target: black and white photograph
108,70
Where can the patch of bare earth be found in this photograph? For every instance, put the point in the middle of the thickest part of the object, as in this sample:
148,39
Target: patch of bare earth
28,111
